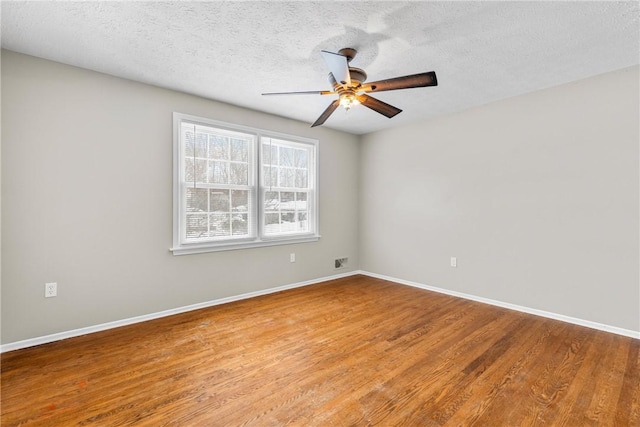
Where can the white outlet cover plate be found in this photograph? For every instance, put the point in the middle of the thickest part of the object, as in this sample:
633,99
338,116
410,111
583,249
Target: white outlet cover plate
50,290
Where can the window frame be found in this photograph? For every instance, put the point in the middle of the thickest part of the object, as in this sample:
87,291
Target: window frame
257,191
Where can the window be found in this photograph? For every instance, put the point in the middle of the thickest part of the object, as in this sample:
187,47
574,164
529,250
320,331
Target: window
237,187
285,183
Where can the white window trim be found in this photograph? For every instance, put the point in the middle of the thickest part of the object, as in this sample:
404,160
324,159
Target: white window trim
180,248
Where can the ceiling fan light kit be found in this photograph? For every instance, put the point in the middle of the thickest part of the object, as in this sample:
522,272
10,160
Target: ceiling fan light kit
349,84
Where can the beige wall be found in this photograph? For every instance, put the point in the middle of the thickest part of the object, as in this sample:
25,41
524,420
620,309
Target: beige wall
87,203
536,195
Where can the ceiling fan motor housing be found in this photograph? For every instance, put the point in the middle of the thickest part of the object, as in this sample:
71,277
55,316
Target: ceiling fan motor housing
357,75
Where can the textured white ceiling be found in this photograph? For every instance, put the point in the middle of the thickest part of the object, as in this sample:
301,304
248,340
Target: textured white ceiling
234,51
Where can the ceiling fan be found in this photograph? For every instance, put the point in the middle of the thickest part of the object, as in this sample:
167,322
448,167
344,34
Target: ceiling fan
348,84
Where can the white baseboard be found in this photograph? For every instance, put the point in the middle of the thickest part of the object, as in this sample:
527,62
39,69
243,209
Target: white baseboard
110,325
555,316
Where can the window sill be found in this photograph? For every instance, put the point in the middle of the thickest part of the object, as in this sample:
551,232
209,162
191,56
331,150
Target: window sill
203,248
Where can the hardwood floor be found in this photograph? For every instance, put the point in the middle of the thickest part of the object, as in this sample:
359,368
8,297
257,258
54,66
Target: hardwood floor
350,352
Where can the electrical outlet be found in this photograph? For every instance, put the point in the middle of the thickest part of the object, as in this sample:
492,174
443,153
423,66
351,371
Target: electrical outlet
292,257
50,290
454,261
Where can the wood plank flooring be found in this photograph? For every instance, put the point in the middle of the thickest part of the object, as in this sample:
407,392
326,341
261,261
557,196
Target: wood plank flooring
350,352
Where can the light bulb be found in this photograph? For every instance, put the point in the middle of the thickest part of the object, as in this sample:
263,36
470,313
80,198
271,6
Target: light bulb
348,101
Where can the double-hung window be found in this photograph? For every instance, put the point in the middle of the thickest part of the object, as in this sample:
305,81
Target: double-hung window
238,187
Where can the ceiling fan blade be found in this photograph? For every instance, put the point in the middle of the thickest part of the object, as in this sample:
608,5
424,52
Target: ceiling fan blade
404,82
308,92
378,106
338,65
325,115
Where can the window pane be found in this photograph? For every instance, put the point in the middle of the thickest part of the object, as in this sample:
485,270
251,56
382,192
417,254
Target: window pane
301,178
269,153
271,201
218,147
272,223
239,150
286,156
188,143
219,201
240,225
239,173
201,145
287,200
200,170
270,176
197,200
301,201
196,226
266,176
303,224
219,172
239,201
301,159
220,224
288,223
286,177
